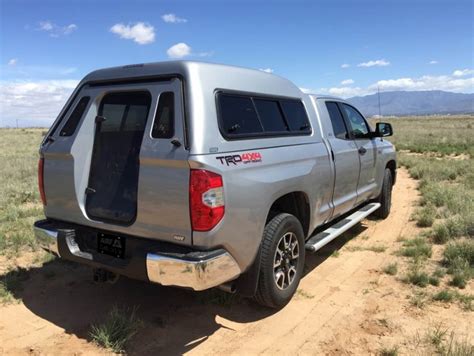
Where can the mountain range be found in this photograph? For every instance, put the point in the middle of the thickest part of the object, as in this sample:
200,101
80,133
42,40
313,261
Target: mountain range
400,103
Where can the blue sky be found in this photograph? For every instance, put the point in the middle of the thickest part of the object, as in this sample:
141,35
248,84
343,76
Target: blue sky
344,48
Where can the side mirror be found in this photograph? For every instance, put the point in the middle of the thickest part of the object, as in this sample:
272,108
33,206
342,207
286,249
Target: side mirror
383,129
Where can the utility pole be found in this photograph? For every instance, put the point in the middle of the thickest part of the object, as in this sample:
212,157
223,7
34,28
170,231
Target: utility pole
16,123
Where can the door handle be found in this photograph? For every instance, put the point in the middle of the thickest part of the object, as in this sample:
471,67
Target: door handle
175,142
90,190
362,151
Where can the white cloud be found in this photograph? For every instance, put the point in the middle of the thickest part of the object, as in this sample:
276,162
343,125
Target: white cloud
140,32
33,101
426,82
463,72
267,70
179,50
45,26
345,92
451,83
172,18
56,30
433,62
347,82
69,28
18,70
13,62
205,54
66,70
307,90
345,65
376,63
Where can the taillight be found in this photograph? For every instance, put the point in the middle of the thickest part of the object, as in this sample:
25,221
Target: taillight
40,180
206,199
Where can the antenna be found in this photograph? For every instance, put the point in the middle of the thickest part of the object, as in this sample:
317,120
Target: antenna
378,93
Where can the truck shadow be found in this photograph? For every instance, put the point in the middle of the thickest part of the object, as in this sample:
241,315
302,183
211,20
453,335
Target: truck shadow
175,320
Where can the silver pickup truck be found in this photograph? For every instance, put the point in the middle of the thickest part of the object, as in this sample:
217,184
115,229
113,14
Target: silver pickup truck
200,175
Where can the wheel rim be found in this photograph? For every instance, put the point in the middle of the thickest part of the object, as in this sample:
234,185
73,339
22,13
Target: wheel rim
285,261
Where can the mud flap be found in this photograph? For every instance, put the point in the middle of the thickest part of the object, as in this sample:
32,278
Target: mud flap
246,284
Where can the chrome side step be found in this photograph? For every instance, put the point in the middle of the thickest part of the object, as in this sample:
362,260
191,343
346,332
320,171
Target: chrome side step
322,238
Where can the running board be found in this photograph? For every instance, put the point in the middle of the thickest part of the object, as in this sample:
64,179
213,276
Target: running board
322,238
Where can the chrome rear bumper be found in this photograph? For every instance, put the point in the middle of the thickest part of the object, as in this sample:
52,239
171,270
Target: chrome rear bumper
198,270
199,274
47,239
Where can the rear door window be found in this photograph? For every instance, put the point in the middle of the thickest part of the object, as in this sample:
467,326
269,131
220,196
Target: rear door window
135,118
337,121
124,111
113,114
163,126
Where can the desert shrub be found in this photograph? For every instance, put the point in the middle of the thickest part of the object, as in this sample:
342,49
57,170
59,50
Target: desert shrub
391,269
425,216
416,248
120,326
459,259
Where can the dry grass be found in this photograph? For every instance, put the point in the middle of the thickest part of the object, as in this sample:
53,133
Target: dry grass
19,199
443,135
120,325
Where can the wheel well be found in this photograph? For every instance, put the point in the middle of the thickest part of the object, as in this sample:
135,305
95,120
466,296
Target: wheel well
295,203
393,168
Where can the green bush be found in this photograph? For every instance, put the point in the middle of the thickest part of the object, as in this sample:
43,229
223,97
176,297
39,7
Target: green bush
425,216
417,276
444,296
416,248
463,250
391,269
459,280
434,281
119,327
459,259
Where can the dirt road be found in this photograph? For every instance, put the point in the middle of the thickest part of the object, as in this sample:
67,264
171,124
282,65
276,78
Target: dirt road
344,305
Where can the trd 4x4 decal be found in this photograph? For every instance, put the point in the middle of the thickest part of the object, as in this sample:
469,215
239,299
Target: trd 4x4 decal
248,157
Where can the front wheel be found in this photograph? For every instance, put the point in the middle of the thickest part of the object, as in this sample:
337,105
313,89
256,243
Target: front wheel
385,197
282,261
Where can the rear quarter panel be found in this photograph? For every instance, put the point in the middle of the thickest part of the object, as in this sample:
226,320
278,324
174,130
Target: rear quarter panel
250,189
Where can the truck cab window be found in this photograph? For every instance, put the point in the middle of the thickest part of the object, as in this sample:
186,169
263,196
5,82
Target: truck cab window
337,121
356,121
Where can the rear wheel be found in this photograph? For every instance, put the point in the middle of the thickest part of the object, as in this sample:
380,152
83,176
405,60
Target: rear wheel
282,261
385,197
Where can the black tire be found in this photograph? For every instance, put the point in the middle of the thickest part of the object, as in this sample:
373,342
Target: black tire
271,292
385,197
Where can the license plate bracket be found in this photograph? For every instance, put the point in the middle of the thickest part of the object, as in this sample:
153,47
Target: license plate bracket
112,245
